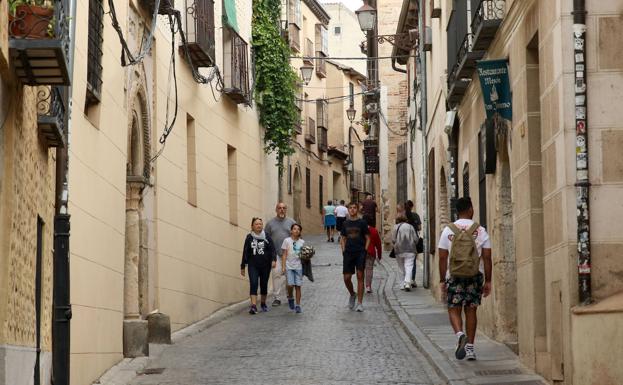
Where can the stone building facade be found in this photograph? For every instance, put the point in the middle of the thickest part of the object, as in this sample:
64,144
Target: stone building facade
522,174
345,35
159,227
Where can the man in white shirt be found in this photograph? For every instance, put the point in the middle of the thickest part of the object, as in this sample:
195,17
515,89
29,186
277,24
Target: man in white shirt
340,213
465,293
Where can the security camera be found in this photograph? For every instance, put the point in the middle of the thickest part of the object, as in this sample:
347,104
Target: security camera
450,118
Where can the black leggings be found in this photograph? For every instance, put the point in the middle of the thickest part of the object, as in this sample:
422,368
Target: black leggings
260,273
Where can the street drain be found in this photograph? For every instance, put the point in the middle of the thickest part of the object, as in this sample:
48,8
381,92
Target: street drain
497,372
149,371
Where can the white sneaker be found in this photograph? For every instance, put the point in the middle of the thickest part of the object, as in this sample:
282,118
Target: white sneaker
470,353
359,308
406,287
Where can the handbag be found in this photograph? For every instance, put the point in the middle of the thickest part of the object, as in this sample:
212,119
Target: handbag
392,254
419,246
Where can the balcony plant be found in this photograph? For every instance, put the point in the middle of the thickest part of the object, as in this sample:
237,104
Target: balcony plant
31,19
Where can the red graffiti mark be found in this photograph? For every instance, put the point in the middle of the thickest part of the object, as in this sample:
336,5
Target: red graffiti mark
581,127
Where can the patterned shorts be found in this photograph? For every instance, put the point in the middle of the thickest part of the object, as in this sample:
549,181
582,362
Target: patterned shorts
465,291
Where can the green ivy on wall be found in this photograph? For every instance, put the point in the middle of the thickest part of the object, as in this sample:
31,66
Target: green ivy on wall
275,80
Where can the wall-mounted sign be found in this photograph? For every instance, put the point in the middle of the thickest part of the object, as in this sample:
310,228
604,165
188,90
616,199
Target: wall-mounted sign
371,156
496,90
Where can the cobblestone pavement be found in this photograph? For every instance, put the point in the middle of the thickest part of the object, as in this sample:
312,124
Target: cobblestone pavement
326,344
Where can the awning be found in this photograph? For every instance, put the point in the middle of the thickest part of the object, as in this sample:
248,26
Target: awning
229,14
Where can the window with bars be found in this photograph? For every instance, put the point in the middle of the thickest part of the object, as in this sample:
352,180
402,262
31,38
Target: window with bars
295,24
322,113
236,72
351,93
482,183
323,145
199,31
401,173
322,49
466,180
95,52
307,187
320,192
309,52
298,126
310,134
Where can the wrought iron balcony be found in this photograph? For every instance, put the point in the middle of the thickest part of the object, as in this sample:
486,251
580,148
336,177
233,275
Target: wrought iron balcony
39,44
338,152
294,33
200,32
321,65
309,52
164,8
486,22
52,114
322,140
460,75
237,80
310,134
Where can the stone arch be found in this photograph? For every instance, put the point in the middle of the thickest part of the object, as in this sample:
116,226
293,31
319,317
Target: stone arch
139,135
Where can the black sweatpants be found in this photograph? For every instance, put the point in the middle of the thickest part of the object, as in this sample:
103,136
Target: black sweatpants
261,274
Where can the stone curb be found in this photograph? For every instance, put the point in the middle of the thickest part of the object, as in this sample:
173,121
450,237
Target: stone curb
426,346
129,368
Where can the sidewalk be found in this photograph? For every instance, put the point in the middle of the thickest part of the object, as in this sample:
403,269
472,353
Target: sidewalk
427,323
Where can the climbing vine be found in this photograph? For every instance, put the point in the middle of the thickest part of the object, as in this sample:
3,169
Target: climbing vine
275,80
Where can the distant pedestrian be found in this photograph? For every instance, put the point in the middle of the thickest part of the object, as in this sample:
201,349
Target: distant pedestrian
291,264
414,220
354,243
328,216
369,209
464,255
374,252
258,255
341,212
278,229
404,238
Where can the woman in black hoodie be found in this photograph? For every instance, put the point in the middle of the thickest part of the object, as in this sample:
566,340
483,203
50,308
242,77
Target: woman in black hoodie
259,254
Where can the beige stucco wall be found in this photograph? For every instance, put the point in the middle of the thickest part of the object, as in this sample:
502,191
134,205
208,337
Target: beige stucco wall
192,251
535,273
346,42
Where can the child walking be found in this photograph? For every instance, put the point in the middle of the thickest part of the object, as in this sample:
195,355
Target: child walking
291,264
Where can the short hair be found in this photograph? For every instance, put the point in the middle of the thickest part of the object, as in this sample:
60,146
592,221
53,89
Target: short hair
342,202
463,204
296,224
281,203
329,202
401,219
255,219
353,203
368,195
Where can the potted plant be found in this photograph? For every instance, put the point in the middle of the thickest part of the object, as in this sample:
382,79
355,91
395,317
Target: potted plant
31,19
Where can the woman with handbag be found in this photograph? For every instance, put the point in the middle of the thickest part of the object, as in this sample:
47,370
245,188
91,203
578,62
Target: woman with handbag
404,239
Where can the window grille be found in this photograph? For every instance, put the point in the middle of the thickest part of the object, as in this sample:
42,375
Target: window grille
307,187
320,193
466,180
94,52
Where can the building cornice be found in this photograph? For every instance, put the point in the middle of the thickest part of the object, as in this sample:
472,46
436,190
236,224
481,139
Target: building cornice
318,11
348,70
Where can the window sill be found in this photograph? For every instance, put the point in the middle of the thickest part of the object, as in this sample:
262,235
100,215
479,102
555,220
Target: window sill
612,304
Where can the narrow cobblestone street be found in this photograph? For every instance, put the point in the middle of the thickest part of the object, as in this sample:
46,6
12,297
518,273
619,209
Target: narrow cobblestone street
327,344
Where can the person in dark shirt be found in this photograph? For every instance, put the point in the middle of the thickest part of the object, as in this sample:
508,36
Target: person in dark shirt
369,209
259,255
414,220
355,239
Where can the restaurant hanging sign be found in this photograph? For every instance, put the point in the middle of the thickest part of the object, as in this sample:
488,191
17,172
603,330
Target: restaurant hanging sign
496,90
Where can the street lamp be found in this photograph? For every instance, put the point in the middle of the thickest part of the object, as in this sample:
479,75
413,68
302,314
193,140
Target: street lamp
367,17
306,72
350,114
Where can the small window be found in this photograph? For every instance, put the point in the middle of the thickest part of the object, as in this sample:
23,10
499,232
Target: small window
307,187
320,192
337,30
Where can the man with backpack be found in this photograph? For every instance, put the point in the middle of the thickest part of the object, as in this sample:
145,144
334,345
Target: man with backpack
465,274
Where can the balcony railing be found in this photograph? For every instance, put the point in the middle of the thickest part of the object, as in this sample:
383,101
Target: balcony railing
39,43
309,52
237,88
310,134
200,32
356,180
322,113
486,22
52,114
295,37
322,140
460,75
321,64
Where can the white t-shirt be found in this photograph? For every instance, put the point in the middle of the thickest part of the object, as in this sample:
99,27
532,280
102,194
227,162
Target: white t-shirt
341,211
293,260
481,236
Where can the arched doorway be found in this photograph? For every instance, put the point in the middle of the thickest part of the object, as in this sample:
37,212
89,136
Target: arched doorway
298,189
135,333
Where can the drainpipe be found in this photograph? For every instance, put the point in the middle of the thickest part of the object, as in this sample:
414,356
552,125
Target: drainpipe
582,184
61,306
424,127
